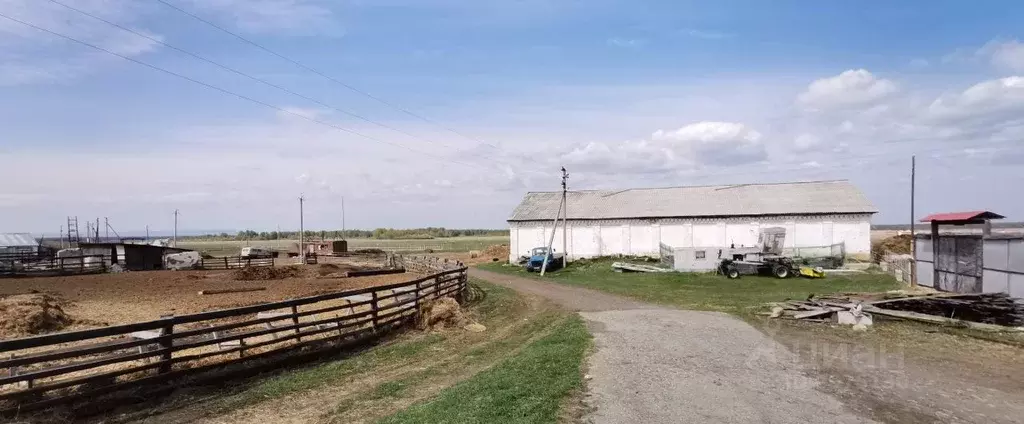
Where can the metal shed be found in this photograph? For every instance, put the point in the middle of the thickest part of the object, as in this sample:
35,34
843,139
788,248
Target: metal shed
18,243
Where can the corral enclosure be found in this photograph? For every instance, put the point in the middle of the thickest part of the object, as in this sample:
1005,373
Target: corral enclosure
59,367
107,299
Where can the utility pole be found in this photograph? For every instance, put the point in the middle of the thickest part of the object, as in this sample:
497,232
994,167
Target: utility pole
343,217
174,239
565,217
62,236
106,228
554,227
302,231
147,233
97,228
913,231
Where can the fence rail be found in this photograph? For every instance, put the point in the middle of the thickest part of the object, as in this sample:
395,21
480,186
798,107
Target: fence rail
52,369
41,266
234,262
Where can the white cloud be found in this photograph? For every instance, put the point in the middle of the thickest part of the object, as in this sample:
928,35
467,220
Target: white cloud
715,141
31,56
1000,98
805,142
296,17
625,42
1004,54
696,145
851,88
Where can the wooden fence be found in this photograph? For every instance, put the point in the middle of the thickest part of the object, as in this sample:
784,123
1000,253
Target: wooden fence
42,266
52,369
233,262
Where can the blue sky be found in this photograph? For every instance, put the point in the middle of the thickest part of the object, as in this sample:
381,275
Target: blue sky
624,94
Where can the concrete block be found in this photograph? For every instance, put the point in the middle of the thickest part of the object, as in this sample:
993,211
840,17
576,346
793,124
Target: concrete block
850,318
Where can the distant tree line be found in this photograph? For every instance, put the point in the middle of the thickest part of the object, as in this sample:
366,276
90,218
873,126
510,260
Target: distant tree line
379,233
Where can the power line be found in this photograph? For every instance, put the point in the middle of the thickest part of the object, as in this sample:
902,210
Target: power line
328,77
238,72
225,91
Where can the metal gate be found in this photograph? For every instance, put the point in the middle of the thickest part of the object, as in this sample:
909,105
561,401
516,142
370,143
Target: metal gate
959,264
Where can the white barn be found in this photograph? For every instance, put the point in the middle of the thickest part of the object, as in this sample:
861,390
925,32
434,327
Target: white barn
637,221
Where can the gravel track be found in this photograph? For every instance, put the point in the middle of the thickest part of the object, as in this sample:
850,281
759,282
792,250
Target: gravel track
660,365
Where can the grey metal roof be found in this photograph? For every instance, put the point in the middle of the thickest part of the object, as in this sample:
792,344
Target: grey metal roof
17,239
798,198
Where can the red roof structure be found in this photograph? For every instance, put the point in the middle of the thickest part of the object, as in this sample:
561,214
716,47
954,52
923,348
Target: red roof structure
972,217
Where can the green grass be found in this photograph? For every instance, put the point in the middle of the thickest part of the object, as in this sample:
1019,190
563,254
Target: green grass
701,291
447,244
526,388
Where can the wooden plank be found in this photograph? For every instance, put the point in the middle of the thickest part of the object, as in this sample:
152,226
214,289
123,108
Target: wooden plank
70,368
233,290
74,351
930,296
933,319
74,336
811,314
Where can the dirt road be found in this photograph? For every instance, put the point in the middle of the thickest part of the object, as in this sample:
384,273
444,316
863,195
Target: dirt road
661,365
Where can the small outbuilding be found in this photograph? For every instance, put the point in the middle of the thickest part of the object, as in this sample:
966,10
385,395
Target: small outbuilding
134,257
18,244
969,259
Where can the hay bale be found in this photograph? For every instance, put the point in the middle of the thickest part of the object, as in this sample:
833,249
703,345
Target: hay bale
475,328
440,313
28,314
899,245
496,251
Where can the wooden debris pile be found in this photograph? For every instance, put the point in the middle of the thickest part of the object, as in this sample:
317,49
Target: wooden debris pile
979,311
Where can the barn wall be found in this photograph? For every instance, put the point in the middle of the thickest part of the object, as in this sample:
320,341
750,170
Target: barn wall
643,236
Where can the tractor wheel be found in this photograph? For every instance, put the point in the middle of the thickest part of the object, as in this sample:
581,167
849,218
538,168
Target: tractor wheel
732,273
781,271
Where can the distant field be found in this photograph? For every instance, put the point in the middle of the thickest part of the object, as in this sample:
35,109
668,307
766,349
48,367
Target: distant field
452,244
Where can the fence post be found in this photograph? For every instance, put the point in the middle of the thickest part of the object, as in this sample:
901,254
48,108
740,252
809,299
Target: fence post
463,286
167,344
437,287
373,308
226,263
417,301
295,320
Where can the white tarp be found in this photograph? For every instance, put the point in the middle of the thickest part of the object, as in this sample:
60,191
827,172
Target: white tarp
183,260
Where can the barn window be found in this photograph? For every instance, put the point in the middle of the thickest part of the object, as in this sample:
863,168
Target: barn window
698,254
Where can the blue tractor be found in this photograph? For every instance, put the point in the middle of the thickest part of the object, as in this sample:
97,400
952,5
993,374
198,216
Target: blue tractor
537,255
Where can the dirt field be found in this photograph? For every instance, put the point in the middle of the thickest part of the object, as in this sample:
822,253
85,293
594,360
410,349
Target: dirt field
451,244
105,299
